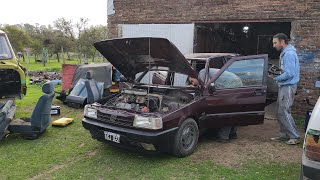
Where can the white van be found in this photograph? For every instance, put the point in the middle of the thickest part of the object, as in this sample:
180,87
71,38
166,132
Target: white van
310,166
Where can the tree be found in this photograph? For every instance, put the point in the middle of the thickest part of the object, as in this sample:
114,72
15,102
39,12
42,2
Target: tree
47,36
72,31
19,38
60,41
65,26
90,36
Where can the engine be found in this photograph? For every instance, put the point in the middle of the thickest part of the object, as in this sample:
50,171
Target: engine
140,101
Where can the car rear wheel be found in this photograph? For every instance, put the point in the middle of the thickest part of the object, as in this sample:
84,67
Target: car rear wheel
186,138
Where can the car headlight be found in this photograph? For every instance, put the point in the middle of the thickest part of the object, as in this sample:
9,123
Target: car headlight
90,112
147,122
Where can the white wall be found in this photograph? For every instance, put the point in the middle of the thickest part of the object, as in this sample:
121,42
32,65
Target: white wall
181,35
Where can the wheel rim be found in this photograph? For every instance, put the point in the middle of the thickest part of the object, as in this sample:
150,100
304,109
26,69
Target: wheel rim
188,137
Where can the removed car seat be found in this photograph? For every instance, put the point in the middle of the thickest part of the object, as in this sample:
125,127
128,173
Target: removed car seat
93,93
86,90
33,127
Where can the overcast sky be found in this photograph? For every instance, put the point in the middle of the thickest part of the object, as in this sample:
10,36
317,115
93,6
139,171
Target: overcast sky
45,12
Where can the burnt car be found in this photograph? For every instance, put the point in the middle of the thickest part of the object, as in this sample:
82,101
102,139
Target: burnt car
161,111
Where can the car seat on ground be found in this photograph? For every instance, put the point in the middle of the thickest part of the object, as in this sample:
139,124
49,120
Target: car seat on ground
93,93
33,127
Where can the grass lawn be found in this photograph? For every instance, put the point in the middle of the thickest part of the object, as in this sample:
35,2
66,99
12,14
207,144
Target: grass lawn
71,153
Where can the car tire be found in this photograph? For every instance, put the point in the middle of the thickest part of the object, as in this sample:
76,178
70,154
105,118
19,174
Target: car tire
301,173
186,138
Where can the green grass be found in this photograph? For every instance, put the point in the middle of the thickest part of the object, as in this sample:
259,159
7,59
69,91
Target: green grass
299,121
71,153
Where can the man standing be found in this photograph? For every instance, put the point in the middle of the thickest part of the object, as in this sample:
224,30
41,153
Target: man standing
287,82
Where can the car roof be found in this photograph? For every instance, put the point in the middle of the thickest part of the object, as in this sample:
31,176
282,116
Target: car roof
205,56
1,32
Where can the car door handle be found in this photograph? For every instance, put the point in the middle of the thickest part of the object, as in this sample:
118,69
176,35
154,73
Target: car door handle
259,92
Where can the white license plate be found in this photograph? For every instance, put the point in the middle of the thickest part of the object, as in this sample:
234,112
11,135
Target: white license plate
54,112
112,136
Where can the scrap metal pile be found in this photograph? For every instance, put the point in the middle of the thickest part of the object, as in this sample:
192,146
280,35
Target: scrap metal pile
43,76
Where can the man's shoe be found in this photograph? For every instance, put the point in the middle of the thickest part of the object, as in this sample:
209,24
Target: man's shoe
221,140
279,139
293,141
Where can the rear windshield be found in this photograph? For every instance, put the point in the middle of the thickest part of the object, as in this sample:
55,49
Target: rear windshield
5,52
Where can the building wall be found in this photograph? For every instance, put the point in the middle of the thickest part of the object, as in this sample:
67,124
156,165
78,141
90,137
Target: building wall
303,15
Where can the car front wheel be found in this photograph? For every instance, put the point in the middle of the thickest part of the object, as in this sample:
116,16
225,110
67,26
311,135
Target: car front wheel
186,138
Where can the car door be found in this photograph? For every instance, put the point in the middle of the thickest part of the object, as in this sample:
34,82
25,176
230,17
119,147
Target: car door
240,92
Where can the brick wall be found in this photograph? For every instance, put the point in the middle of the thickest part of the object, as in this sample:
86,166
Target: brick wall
304,15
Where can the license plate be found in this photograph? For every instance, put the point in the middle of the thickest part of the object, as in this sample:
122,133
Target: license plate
54,112
112,136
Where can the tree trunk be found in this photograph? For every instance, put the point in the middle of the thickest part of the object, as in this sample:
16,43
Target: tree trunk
68,56
93,56
63,61
58,57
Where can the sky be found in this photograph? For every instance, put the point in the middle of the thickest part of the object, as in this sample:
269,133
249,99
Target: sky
44,12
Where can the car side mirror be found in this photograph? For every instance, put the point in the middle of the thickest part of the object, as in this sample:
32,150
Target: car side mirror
212,88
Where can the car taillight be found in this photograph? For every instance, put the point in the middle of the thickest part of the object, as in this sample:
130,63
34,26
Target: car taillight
312,145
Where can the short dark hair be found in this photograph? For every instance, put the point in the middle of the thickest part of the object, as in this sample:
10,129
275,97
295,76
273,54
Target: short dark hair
282,36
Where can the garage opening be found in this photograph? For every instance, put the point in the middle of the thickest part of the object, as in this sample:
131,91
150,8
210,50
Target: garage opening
242,38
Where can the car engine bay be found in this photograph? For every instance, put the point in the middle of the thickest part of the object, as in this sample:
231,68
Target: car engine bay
140,100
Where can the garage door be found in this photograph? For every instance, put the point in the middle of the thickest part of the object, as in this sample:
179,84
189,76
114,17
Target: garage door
181,35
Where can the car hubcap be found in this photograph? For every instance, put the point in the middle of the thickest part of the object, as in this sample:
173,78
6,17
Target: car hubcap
188,137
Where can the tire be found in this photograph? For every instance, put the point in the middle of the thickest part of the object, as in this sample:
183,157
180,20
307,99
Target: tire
301,173
186,138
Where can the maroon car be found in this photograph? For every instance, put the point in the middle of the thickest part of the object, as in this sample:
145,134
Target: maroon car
162,111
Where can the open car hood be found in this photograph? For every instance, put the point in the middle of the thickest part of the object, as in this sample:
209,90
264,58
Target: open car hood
133,55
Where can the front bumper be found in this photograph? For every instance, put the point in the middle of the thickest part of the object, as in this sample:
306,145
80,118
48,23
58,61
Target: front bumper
131,138
310,169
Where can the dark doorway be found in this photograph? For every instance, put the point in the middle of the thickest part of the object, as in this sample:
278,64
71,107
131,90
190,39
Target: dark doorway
242,38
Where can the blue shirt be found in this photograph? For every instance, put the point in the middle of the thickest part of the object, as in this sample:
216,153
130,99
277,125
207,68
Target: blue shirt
289,63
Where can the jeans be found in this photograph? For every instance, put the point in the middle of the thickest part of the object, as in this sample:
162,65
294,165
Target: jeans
285,100
225,132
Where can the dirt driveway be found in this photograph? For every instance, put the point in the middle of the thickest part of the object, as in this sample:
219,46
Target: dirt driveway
253,143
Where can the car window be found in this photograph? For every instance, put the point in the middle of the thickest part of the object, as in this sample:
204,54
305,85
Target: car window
159,77
197,65
153,77
5,52
180,80
242,73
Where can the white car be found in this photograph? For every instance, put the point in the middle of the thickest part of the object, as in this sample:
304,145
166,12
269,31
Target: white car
310,166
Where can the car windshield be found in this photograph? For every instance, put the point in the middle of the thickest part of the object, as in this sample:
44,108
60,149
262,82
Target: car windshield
5,52
162,76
